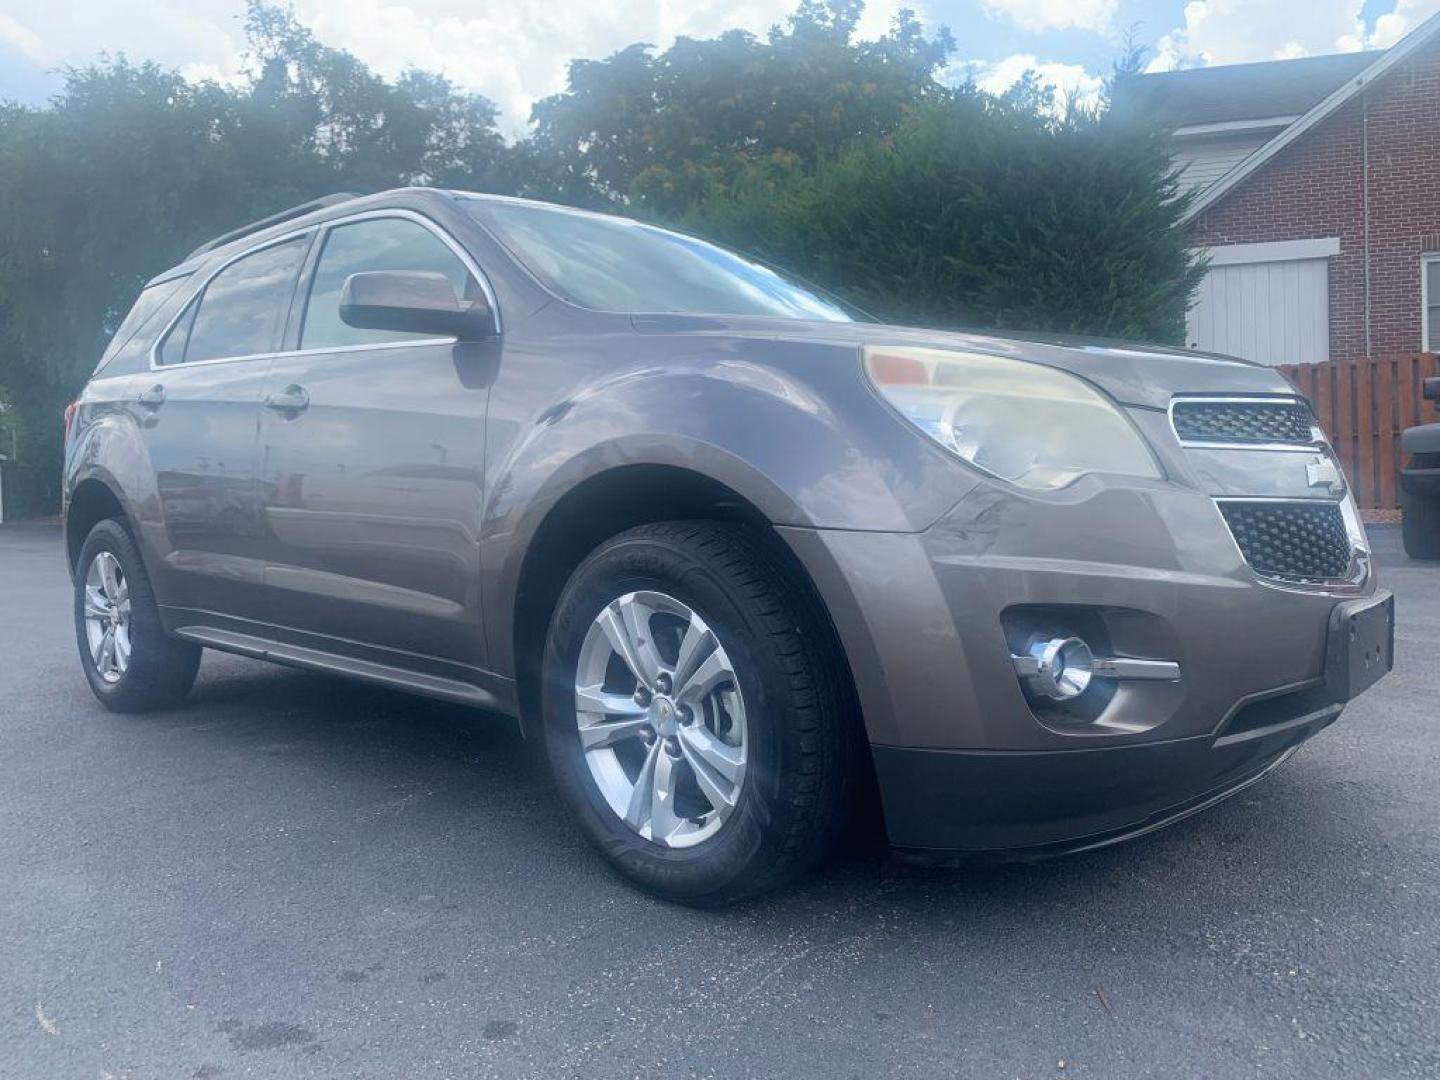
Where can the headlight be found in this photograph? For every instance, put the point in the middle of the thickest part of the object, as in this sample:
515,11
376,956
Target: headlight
1026,423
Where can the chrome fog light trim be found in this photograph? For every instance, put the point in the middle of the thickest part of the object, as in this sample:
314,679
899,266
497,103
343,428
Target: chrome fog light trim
1057,668
1061,668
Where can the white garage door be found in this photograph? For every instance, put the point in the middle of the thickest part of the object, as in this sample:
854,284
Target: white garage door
1266,302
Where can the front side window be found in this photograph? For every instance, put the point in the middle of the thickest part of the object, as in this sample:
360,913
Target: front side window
241,311
614,264
1430,268
376,244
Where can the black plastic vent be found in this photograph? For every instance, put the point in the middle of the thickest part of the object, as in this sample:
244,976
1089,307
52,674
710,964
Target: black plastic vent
1293,541
1243,423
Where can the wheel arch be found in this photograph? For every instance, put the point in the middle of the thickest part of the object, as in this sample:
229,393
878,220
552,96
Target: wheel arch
604,505
91,501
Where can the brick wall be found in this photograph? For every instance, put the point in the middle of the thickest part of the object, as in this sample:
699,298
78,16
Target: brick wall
1313,189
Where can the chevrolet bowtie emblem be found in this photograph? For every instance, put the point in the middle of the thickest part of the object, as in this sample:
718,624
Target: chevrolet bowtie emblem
1321,472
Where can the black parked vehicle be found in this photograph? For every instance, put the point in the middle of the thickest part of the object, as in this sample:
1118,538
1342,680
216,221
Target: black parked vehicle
1420,484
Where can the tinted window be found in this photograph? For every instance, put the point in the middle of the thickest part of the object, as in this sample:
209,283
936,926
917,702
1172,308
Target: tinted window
242,310
150,300
378,244
613,264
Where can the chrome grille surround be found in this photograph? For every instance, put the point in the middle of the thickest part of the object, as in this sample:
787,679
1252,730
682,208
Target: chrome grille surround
1254,423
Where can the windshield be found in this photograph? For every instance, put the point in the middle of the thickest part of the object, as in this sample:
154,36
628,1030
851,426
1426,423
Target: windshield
614,264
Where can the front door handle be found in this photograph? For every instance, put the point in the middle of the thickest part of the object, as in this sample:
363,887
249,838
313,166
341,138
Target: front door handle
152,398
291,400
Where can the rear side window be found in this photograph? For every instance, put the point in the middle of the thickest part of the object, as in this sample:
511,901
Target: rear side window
242,310
150,300
376,244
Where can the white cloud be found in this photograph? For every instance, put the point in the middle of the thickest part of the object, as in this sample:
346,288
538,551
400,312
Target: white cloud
1037,15
995,77
1236,31
1408,14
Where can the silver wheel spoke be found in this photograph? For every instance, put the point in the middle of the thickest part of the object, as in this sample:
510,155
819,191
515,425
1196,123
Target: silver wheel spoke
642,797
605,733
711,673
595,699
96,606
111,584
122,647
727,761
697,644
105,654
617,626
664,821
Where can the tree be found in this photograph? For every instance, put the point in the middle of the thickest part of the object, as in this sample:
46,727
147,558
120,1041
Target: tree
983,212
656,132
131,166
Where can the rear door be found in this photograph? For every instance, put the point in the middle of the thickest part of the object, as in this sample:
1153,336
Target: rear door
200,406
372,463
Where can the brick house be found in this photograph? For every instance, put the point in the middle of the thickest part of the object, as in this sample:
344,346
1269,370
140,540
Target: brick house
1318,200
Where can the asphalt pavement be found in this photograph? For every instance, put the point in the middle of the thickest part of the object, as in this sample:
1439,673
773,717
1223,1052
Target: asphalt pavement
294,876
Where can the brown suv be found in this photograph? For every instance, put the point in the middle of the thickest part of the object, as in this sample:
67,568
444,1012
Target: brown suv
727,546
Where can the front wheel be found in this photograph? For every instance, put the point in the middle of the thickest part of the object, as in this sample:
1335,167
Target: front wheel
696,716
132,665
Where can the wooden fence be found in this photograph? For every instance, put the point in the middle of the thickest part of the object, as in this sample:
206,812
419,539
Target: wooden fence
1363,405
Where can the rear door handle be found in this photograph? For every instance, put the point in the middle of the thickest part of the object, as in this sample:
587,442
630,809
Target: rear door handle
293,399
152,398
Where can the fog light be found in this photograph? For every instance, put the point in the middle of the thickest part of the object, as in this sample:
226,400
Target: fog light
1062,668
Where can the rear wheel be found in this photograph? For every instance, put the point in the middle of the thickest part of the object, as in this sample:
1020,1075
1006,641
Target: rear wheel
132,665
695,716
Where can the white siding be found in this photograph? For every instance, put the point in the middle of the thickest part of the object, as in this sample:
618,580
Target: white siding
1203,161
1270,312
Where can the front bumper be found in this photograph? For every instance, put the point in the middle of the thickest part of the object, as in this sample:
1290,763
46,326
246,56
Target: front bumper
942,806
967,764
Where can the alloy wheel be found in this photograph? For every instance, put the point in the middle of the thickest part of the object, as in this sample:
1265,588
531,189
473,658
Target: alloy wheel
107,616
661,719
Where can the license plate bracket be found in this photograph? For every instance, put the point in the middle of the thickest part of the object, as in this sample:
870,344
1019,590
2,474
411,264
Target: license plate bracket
1361,646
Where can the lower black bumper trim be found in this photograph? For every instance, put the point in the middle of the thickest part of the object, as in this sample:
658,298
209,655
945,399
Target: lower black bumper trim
950,806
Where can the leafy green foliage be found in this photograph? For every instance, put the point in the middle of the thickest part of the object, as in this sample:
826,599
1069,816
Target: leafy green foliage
656,132
849,161
982,213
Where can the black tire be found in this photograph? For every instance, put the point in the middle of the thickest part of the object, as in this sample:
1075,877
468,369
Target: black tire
1420,525
803,731
161,668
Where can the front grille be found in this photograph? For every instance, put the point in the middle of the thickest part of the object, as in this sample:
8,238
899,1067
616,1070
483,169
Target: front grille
1299,542
1243,422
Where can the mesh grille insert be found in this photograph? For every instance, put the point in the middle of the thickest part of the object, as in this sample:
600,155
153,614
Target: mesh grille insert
1299,542
1243,422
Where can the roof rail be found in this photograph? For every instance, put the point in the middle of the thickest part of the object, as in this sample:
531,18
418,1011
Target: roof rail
274,219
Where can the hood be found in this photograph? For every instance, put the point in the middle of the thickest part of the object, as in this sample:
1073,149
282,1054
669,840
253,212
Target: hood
1141,375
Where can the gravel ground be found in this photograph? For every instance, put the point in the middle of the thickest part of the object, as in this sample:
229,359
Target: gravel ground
299,877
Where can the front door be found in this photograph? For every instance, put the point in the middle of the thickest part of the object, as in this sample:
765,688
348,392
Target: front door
372,466
199,409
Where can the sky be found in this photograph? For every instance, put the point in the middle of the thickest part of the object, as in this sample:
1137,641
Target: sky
516,52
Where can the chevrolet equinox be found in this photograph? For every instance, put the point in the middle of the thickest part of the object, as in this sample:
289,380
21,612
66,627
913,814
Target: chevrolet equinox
732,552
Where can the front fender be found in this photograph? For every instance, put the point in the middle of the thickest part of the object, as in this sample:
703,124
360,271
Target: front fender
808,445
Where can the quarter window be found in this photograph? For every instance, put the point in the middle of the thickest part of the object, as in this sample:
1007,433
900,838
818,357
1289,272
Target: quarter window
1430,291
376,244
241,311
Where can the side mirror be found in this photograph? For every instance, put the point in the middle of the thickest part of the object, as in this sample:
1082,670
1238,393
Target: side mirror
1430,390
414,302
